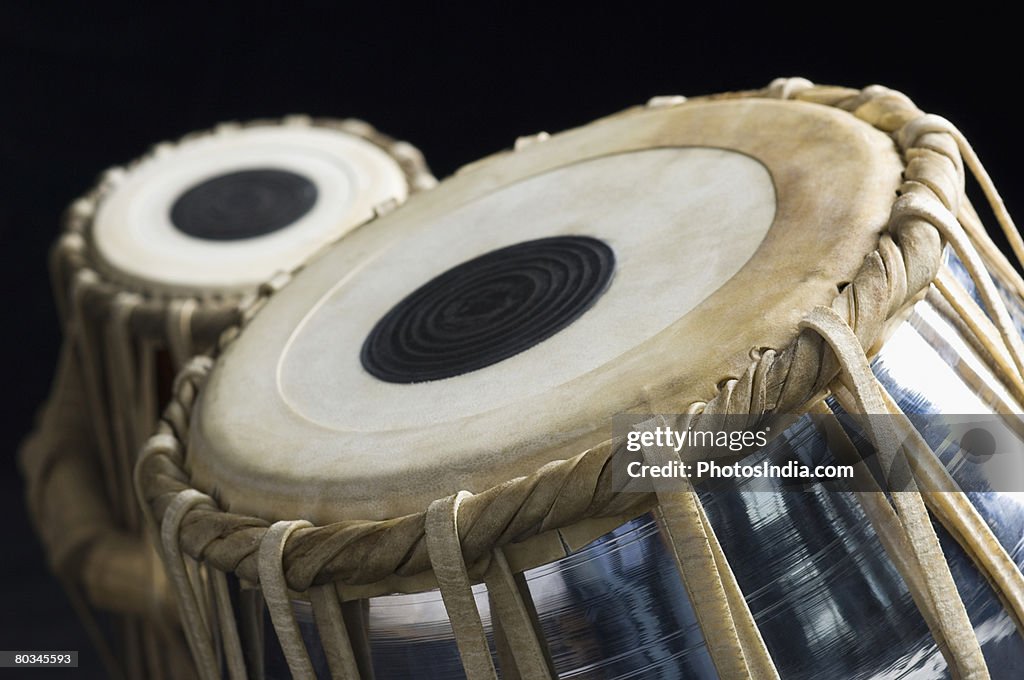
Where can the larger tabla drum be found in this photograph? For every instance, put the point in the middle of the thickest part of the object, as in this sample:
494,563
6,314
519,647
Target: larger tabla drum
153,264
404,466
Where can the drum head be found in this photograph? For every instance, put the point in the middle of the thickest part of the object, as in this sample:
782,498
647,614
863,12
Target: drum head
228,210
501,320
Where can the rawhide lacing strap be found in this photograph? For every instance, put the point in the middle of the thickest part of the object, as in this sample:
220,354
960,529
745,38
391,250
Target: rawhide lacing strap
279,603
955,632
334,633
517,623
195,618
732,637
449,567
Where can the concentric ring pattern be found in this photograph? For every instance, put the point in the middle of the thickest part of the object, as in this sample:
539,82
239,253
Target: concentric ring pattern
488,309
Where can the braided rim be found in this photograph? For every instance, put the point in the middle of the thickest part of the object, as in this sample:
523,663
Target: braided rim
777,381
75,262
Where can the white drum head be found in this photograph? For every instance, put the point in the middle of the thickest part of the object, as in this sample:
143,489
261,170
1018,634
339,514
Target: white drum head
500,321
230,209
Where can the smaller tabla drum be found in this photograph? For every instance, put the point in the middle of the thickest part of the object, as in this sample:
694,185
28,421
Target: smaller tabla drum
430,405
153,264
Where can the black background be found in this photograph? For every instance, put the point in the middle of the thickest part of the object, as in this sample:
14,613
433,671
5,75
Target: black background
86,87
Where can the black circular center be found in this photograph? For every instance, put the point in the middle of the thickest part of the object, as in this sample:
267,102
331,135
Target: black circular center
488,309
243,204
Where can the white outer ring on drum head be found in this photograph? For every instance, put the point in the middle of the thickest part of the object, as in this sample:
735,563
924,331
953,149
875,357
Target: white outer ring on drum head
133,233
668,257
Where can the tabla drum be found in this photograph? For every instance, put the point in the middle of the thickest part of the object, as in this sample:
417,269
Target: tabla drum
153,264
404,465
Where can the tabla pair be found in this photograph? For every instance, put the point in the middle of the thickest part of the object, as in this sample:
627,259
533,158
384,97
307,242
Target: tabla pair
399,459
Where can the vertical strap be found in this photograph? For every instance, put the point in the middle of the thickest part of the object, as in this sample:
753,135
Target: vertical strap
126,436
228,626
161,444
970,314
333,632
965,659
696,564
146,406
279,602
988,187
275,592
944,221
501,642
703,574
89,364
250,609
883,520
122,390
506,660
993,257
179,330
357,621
197,631
759,661
963,521
517,626
208,597
64,250
445,551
